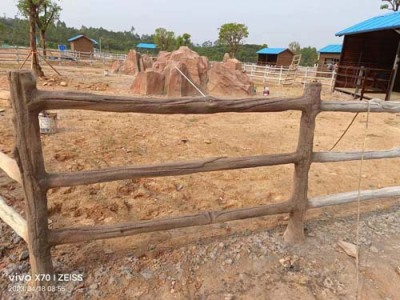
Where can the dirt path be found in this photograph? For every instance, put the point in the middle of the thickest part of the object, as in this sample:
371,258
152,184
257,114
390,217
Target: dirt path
237,260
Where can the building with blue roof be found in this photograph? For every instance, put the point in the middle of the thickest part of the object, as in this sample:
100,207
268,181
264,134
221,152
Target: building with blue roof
275,57
82,43
369,54
328,57
146,46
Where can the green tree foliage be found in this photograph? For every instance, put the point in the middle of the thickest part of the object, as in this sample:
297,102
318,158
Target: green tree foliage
48,13
31,10
215,52
232,35
164,39
183,40
309,56
15,30
294,47
390,4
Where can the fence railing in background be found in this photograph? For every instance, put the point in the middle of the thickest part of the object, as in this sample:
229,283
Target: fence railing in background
363,80
18,55
278,75
27,102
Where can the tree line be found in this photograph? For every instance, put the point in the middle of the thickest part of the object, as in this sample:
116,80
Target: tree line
15,32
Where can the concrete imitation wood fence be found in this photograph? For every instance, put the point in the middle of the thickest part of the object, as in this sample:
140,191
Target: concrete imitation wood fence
29,169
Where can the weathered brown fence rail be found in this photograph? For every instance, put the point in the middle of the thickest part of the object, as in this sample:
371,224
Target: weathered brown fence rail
29,168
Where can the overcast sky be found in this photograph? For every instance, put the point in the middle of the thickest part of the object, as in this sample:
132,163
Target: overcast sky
276,23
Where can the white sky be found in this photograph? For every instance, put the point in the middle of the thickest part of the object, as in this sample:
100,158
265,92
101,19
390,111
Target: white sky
276,23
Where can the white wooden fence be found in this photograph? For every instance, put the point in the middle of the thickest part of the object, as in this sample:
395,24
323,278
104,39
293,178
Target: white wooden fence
18,55
278,74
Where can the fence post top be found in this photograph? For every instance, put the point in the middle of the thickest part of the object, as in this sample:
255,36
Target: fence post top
25,75
313,91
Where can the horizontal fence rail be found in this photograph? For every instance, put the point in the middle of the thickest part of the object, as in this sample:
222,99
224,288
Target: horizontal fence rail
74,235
206,105
19,54
170,169
365,80
29,166
302,75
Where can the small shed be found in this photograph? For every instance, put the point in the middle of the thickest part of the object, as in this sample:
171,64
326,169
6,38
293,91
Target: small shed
275,57
82,43
146,47
368,61
328,57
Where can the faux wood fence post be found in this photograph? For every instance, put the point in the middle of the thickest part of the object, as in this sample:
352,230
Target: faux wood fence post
29,155
295,231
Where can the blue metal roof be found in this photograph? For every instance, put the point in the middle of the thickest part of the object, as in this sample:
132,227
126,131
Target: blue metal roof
80,36
146,46
271,50
387,21
331,49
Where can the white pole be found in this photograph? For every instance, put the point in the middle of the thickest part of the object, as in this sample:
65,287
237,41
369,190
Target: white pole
191,82
305,77
333,79
280,75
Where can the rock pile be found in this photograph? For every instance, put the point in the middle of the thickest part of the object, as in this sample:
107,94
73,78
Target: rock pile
174,73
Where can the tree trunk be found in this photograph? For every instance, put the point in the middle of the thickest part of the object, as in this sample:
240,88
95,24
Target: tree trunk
43,42
35,66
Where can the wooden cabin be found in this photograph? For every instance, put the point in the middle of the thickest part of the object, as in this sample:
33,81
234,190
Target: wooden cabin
328,57
82,43
147,48
369,54
275,57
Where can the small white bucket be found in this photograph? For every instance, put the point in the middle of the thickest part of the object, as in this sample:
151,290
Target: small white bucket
48,122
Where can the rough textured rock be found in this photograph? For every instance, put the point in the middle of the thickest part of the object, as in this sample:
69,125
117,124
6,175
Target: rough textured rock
224,81
116,67
163,56
175,83
226,57
233,64
149,82
197,65
145,62
159,66
131,63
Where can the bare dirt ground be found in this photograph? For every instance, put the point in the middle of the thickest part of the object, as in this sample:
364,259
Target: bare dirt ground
236,260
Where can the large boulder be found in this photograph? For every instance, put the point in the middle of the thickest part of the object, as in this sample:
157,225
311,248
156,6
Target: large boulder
226,57
164,75
163,57
197,65
224,81
117,67
148,82
175,84
145,62
233,64
131,63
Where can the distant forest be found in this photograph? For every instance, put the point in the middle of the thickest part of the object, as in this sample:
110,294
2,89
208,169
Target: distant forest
15,32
